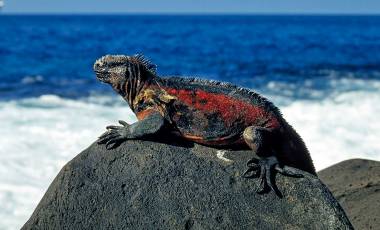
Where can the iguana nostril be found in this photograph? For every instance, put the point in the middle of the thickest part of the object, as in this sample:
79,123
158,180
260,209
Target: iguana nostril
97,65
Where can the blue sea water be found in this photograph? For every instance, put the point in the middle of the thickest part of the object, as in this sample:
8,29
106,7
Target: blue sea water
246,50
322,71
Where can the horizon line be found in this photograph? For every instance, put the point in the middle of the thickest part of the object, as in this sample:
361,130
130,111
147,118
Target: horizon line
189,14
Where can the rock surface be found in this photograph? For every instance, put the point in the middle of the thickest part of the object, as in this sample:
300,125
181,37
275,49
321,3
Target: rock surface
148,185
356,185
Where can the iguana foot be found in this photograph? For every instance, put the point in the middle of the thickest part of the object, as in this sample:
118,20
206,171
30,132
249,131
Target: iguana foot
265,169
114,135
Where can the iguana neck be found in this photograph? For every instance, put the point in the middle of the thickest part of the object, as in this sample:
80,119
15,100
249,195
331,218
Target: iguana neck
130,87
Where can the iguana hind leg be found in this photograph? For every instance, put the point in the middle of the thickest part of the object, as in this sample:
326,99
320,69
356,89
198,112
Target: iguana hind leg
261,141
115,135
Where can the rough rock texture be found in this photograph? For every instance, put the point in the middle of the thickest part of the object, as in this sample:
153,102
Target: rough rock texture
356,185
148,185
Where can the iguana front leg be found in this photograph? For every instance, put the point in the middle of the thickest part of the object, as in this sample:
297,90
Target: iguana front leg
116,134
261,141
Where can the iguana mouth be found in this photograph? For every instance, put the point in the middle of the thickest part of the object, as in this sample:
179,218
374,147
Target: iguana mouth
101,76
99,72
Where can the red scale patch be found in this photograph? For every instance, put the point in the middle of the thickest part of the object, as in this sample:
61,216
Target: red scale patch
229,108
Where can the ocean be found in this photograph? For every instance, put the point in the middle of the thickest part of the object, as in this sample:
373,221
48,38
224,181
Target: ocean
323,72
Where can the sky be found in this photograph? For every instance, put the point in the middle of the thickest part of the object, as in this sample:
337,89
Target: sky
194,6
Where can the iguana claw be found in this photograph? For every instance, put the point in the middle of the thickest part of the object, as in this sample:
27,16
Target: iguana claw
265,169
114,135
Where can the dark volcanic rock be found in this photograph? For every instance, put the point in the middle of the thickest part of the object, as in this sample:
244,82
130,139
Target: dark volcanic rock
356,185
148,185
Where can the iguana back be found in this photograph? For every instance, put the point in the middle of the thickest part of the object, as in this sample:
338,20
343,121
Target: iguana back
216,113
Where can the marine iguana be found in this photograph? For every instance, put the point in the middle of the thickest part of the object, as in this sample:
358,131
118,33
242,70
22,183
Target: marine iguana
207,112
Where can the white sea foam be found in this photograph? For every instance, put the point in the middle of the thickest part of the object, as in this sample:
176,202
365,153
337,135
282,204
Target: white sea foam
340,128
39,135
342,125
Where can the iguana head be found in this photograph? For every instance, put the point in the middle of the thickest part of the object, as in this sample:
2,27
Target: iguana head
126,74
115,68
